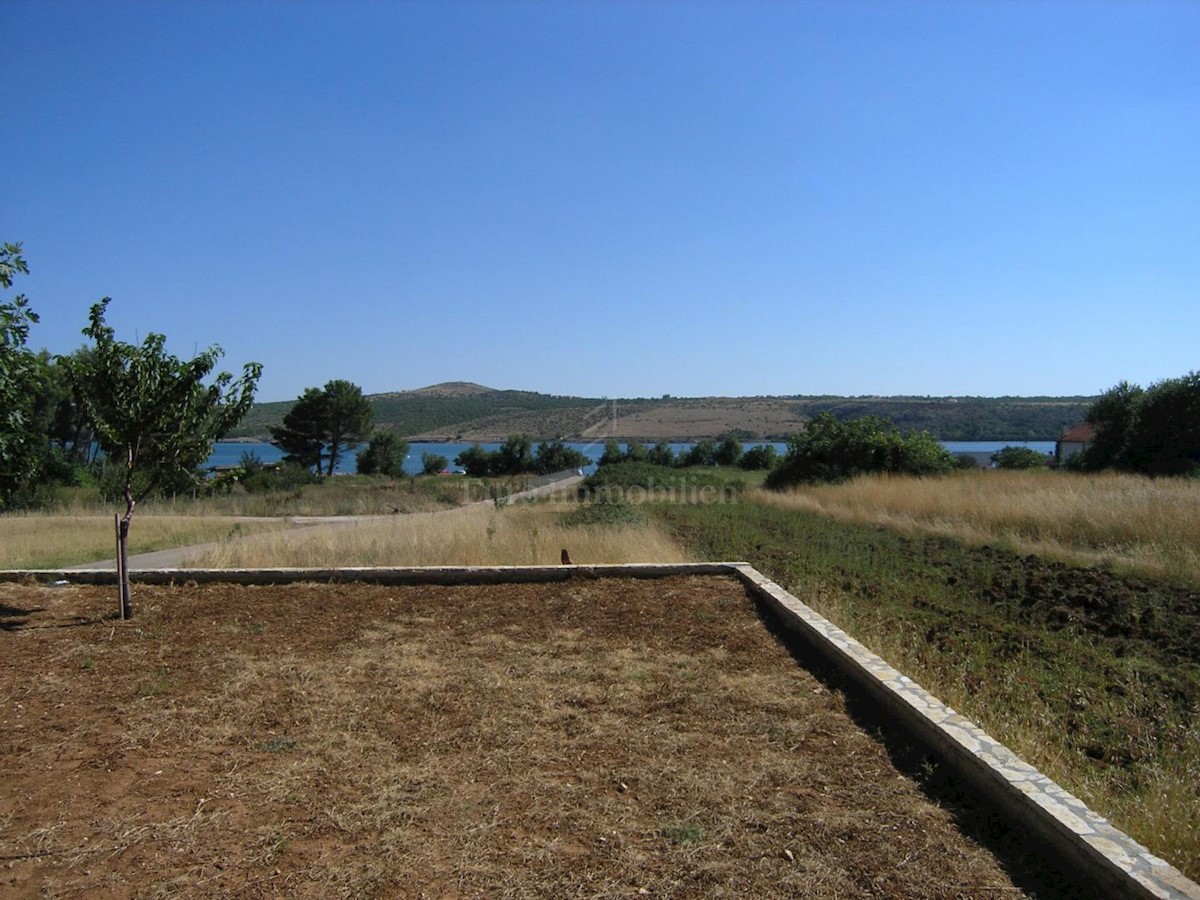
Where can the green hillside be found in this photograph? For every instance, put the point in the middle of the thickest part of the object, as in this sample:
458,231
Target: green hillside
478,413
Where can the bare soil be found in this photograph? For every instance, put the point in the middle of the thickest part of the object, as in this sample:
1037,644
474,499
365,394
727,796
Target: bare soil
596,738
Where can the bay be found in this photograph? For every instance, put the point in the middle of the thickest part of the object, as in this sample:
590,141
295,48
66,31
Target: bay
229,453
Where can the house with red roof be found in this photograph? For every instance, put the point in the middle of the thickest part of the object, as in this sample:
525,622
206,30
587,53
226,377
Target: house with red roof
1073,440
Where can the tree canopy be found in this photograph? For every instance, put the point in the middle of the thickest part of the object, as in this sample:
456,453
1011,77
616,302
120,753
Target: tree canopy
322,424
384,455
832,450
18,372
1154,431
155,415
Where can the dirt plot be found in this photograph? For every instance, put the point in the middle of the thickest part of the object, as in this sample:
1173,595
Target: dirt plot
596,738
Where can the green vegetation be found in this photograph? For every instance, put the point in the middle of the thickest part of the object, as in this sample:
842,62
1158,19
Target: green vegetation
961,418
671,482
384,455
18,370
605,513
760,458
153,413
506,412
322,424
433,463
832,450
1155,431
517,457
1018,458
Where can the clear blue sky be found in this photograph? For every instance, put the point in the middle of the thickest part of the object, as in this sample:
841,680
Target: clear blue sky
617,198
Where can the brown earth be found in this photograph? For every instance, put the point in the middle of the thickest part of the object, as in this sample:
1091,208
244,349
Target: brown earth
595,738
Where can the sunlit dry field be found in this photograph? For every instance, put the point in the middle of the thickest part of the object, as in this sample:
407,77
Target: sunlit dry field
51,541
519,534
1141,524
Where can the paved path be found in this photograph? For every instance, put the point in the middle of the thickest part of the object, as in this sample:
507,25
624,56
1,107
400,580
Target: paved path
177,557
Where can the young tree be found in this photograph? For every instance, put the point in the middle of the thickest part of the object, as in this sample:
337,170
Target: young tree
514,456
476,461
704,453
729,451
323,423
153,413
384,455
661,454
433,463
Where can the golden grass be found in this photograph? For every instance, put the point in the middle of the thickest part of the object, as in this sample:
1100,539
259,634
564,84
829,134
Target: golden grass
340,496
1151,526
522,534
48,542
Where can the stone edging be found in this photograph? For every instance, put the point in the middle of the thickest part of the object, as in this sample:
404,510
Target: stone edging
1110,859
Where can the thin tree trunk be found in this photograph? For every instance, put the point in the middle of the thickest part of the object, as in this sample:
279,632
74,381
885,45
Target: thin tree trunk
120,567
123,563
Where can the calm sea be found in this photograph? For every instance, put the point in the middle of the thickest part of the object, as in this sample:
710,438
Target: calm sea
229,453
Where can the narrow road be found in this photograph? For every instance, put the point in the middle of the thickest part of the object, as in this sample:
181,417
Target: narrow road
177,557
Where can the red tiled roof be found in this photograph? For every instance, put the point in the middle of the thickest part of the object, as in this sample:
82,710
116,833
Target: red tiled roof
1081,433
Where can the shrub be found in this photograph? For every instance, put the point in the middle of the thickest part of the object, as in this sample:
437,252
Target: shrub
384,455
832,450
1018,458
433,463
759,458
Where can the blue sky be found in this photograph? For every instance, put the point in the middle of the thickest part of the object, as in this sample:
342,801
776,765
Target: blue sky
618,198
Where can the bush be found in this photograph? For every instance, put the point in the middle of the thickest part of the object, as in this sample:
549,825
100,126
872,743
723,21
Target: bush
703,454
604,513
759,458
832,450
661,454
433,463
288,476
1018,458
384,455
728,452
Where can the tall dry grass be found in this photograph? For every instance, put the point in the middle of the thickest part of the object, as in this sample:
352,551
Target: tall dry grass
49,542
523,534
1145,525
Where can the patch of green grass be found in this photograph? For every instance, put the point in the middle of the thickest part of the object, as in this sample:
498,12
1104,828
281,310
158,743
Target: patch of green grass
280,743
157,685
683,833
604,513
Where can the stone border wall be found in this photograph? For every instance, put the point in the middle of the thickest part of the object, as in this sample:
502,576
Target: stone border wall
1109,859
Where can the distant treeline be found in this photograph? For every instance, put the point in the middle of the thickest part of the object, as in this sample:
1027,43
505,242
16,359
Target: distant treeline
962,418
948,419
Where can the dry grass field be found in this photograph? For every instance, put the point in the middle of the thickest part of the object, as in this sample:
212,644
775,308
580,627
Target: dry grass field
50,541
1150,526
596,738
519,534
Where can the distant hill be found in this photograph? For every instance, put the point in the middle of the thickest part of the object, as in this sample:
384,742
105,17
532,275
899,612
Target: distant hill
459,410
